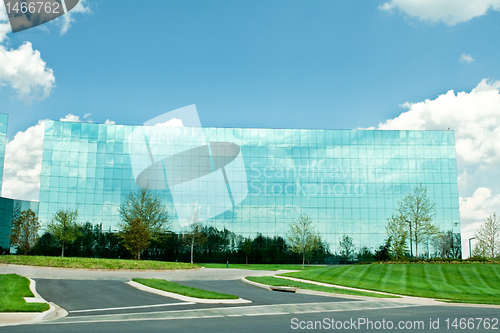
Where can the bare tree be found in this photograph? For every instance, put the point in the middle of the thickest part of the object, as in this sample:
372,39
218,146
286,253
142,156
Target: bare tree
488,236
444,243
303,237
195,233
25,231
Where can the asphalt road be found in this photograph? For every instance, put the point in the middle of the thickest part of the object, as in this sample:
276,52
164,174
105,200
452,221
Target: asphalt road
286,323
84,297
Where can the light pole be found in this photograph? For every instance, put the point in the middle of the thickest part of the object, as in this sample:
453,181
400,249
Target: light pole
470,249
411,247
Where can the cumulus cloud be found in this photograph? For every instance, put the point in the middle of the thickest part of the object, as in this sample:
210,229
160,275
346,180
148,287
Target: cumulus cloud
87,115
450,12
24,70
172,123
466,58
71,117
109,122
23,164
68,19
475,118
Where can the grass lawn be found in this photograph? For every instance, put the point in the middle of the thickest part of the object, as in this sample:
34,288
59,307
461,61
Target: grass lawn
12,290
267,267
466,283
93,263
183,290
272,281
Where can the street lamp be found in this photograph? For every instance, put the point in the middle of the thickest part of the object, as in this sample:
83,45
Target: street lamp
470,250
411,247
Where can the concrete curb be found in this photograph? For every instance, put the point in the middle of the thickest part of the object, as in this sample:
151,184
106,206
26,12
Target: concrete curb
186,298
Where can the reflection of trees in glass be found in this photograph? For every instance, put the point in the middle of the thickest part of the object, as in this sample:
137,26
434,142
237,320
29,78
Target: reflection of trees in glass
347,248
448,244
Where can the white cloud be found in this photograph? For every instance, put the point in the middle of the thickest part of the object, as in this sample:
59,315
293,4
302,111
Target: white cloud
67,19
475,118
71,117
172,122
466,58
23,164
24,70
109,122
87,115
450,12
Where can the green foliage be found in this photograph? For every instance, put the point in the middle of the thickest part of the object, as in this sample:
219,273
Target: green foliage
135,237
488,237
398,231
64,227
273,281
25,231
183,290
415,215
303,237
147,206
12,290
468,283
384,251
347,249
246,248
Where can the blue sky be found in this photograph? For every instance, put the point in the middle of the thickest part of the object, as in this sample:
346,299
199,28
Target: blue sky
336,64
285,64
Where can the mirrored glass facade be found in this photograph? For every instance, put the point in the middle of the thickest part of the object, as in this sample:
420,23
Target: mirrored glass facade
253,180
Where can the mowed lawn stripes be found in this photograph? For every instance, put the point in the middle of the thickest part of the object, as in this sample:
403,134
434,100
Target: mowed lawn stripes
474,283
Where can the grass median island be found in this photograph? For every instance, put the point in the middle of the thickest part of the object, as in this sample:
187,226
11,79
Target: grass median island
183,290
265,267
273,281
464,283
12,290
93,263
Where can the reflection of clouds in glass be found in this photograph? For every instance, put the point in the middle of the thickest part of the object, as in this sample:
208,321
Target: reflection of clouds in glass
36,13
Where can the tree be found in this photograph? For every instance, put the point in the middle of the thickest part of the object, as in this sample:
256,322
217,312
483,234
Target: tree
147,206
302,236
246,248
346,247
397,230
135,237
195,229
488,236
25,231
444,243
384,251
64,227
417,211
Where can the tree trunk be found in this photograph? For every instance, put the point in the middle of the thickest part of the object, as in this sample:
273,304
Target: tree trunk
246,259
303,258
138,256
192,249
62,251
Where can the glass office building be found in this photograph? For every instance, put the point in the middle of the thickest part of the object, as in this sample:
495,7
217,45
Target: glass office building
250,180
